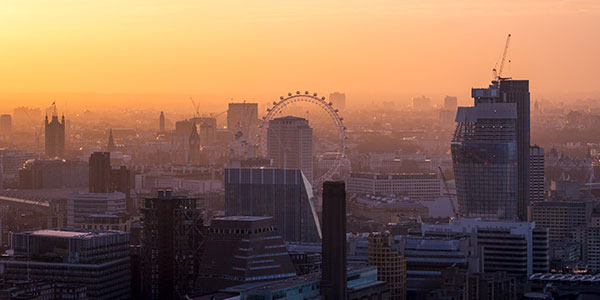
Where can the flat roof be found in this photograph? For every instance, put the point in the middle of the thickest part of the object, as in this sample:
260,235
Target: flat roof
244,218
69,233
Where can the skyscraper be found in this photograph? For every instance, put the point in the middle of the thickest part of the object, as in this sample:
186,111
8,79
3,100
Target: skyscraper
333,280
55,137
517,91
171,245
110,146
484,151
161,125
537,180
285,195
290,144
100,171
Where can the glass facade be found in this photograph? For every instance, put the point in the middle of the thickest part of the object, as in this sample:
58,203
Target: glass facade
484,153
285,195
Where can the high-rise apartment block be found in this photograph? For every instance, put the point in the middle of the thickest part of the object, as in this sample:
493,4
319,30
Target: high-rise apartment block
55,137
484,151
98,260
171,245
285,195
391,265
537,180
290,144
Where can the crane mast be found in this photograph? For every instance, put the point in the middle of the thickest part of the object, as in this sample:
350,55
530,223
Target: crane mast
498,73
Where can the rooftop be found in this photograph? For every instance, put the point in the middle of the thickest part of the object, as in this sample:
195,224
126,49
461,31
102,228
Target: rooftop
70,233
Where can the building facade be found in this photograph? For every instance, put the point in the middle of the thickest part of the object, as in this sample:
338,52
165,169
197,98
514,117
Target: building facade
243,249
391,265
290,144
537,180
484,151
285,195
425,186
98,260
171,245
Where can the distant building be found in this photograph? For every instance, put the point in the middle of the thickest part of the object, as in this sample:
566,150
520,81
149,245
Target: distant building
171,245
334,272
537,181
390,263
243,117
285,195
98,260
524,251
194,147
53,174
55,137
451,103
338,100
5,125
82,208
562,218
110,146
385,210
99,172
484,151
290,144
421,185
10,163
243,249
461,284
161,121
421,103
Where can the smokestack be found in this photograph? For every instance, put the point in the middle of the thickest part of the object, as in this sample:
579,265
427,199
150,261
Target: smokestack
333,280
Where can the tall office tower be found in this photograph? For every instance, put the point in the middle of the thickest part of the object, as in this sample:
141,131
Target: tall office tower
100,171
290,144
484,152
333,280
5,124
243,249
110,146
391,265
421,103
243,117
98,260
450,103
171,245
517,91
536,168
338,100
285,195
161,125
55,137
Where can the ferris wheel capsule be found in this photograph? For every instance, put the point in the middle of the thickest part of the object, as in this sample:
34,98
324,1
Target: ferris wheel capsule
315,94
297,92
274,102
281,98
306,92
323,98
289,94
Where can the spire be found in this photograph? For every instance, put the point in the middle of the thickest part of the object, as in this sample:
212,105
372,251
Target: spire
111,142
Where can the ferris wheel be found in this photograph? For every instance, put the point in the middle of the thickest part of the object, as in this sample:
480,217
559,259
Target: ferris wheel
333,114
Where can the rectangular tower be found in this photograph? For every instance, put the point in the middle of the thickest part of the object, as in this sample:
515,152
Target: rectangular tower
333,280
536,169
290,144
100,172
517,91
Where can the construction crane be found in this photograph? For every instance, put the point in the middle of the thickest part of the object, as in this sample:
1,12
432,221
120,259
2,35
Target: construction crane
498,73
196,107
448,194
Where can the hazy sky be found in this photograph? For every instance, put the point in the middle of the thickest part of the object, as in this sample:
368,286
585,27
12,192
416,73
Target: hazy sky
259,49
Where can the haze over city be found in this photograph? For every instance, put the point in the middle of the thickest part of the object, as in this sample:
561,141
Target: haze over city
141,53
300,150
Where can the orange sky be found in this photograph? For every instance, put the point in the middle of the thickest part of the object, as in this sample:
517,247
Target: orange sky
261,49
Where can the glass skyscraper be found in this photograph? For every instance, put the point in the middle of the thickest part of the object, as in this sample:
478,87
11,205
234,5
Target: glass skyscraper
484,153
